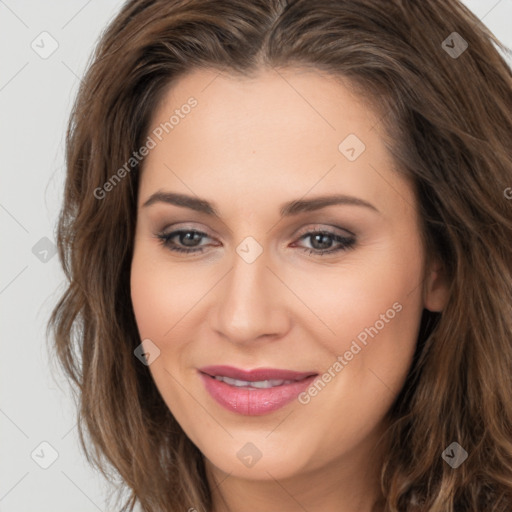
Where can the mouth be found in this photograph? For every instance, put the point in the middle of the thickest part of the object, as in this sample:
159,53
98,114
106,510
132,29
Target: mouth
254,392
258,378
259,384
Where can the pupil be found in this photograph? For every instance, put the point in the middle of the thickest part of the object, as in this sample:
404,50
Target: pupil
188,236
326,241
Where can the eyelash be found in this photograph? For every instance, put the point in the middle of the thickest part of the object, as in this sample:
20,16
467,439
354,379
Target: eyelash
346,242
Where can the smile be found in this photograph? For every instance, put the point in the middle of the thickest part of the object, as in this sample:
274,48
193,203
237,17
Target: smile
259,384
255,392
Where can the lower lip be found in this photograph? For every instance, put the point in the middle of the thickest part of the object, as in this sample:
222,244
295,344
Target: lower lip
254,402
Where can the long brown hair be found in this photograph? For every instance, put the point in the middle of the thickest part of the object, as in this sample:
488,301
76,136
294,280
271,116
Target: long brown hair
445,104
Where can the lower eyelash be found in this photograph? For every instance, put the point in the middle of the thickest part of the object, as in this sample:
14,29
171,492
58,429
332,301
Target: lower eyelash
346,242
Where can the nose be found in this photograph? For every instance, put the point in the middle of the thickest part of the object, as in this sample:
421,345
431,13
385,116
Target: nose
252,302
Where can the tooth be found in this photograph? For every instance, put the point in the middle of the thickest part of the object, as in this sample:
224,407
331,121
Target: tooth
235,382
241,383
279,382
261,384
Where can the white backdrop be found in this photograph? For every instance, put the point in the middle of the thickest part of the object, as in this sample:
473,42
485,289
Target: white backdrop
44,50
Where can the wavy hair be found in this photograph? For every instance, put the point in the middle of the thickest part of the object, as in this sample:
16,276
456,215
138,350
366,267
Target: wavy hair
447,121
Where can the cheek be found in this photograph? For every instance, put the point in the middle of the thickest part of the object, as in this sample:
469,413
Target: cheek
378,323
337,305
161,298
372,309
161,294
154,298
376,290
146,295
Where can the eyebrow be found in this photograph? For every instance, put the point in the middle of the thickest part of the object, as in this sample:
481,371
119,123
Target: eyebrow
287,209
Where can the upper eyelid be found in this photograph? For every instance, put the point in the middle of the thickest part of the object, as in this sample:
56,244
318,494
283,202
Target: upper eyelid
317,228
322,227
313,227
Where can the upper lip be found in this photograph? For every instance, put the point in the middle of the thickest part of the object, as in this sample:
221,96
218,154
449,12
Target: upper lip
255,375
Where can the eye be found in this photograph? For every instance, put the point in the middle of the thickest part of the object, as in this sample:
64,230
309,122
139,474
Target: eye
188,241
186,237
322,242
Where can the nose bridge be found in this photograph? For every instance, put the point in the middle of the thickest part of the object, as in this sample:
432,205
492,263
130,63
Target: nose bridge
249,303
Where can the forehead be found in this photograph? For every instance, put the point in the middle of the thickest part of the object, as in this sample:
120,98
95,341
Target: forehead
278,133
302,100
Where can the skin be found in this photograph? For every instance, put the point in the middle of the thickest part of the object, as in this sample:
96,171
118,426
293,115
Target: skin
249,146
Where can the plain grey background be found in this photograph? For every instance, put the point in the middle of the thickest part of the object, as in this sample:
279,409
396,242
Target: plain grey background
45,47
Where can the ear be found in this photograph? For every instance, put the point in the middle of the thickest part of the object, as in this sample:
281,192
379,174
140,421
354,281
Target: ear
435,288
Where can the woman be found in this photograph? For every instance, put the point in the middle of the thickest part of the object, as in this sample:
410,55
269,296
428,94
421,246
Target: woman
287,235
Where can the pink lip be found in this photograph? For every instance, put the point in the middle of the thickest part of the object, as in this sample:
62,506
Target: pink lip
256,374
252,401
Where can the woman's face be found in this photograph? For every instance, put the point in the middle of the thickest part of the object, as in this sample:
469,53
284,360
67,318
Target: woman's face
291,163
